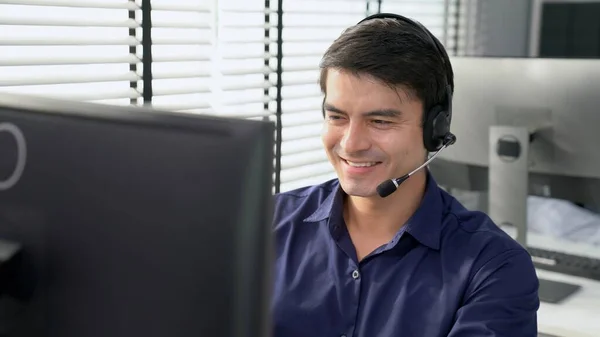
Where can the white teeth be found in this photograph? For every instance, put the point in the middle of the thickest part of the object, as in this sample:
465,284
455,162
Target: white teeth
353,164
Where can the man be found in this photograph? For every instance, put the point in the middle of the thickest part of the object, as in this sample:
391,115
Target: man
415,263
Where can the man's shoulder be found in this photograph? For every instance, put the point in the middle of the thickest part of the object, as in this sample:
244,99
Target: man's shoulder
474,244
475,234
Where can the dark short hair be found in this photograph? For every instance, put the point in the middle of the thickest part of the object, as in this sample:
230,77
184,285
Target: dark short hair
394,52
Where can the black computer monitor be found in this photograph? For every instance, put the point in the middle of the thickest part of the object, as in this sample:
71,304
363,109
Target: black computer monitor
132,222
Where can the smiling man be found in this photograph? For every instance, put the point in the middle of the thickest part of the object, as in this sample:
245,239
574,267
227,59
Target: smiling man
350,262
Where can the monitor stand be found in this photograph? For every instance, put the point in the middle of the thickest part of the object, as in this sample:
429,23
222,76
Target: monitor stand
508,179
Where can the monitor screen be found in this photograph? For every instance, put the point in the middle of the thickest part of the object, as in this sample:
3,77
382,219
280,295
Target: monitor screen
565,29
133,222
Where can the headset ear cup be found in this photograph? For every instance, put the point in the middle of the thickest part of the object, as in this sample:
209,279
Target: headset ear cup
432,139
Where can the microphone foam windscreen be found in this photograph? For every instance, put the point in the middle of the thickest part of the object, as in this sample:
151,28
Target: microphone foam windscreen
386,188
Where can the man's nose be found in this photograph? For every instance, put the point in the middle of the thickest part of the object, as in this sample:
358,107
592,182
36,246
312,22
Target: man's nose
356,138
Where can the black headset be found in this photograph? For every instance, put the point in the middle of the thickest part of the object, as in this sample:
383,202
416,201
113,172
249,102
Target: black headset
436,121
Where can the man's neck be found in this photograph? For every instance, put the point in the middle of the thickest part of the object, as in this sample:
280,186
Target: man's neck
378,217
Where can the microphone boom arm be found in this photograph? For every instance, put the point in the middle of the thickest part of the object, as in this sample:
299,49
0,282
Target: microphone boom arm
390,186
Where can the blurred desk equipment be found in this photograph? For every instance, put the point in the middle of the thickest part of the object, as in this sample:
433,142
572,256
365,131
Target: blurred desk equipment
124,221
527,133
577,315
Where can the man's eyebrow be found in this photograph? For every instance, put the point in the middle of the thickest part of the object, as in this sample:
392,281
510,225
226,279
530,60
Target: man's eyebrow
329,107
389,113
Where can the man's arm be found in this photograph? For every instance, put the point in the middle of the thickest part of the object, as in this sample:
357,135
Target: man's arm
501,300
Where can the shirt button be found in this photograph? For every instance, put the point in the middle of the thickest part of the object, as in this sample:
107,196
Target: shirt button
355,276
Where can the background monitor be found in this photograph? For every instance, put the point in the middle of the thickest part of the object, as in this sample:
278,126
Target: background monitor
133,222
527,153
564,29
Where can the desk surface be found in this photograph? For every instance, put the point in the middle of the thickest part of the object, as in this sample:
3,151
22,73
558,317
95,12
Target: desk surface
578,315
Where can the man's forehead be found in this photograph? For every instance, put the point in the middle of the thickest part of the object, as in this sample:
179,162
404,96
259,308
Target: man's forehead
346,85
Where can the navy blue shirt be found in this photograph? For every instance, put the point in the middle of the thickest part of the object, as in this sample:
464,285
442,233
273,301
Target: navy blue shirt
448,272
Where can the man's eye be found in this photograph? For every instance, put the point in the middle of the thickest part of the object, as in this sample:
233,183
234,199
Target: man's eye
379,121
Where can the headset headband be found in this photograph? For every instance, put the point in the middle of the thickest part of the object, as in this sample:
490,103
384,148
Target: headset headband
432,40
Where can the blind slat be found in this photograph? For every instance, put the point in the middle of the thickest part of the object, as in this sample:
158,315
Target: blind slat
180,58
301,81
182,7
293,108
237,101
252,40
241,54
314,94
298,183
261,85
181,40
65,79
295,147
257,70
41,61
73,3
128,93
58,41
301,159
314,118
174,24
180,73
297,133
248,115
183,106
248,10
311,39
181,91
298,68
83,22
306,171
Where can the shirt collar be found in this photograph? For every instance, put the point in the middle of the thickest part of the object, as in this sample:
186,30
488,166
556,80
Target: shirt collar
333,201
424,225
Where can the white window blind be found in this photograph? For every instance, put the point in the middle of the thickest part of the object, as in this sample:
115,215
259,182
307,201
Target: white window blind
183,48
209,57
247,62
437,15
72,49
247,58
446,19
215,57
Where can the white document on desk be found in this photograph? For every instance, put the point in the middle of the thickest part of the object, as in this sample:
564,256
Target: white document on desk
563,220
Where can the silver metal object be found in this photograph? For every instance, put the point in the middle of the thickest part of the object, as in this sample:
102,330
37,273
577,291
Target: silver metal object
508,178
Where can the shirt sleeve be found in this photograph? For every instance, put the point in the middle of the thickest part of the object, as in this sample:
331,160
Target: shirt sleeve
501,299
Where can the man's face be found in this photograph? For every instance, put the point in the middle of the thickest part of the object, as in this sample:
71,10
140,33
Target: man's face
371,132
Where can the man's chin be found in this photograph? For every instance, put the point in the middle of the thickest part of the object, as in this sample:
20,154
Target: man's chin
364,190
